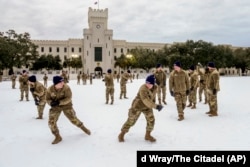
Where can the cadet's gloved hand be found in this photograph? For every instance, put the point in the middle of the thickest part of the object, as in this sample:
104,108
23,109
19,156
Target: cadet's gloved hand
36,102
32,90
54,103
187,92
172,93
214,91
159,107
192,88
201,81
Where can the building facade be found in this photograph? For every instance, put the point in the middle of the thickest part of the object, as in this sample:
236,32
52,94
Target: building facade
97,48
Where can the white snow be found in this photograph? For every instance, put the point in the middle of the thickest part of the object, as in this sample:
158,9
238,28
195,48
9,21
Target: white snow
26,142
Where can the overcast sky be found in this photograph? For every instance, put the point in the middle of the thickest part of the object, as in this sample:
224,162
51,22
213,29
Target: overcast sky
160,21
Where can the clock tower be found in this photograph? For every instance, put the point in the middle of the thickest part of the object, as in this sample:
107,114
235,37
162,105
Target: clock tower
98,43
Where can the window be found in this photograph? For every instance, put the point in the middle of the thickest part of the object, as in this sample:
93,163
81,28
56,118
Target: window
114,50
65,50
57,49
42,49
72,49
121,50
50,49
80,50
98,53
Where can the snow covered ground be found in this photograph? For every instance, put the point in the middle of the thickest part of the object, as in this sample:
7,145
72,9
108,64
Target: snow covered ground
26,142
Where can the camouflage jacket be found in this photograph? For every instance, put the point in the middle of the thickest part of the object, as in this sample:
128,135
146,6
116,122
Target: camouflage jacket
179,81
213,80
194,79
124,78
39,93
145,98
109,81
64,96
160,78
23,81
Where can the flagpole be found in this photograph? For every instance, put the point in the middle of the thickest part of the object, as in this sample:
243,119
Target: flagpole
98,4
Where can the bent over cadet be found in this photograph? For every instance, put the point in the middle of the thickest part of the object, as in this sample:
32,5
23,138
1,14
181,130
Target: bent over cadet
144,102
179,88
59,97
38,91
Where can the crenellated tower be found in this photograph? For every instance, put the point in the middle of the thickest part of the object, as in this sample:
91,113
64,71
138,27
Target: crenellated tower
98,42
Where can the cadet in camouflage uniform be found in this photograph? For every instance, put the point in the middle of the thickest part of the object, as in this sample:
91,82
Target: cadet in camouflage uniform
161,79
24,85
123,82
213,87
84,78
38,91
194,83
203,80
144,102
45,80
59,97
65,77
109,83
90,79
179,88
13,80
78,78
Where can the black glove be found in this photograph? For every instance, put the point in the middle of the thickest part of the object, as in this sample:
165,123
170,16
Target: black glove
172,93
157,83
201,81
32,90
214,91
36,102
54,103
187,92
159,107
192,88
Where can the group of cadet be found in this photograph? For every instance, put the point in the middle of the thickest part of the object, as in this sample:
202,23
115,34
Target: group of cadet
58,96
183,87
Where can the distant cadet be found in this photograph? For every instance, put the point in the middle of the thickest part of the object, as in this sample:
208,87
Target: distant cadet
144,102
78,78
213,87
194,83
203,82
59,97
24,85
13,80
38,91
179,86
109,83
45,80
161,79
123,83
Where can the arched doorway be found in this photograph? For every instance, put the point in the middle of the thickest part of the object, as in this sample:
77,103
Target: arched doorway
98,72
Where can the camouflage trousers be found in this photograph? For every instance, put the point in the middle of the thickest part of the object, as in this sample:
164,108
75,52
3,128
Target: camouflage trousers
180,99
123,90
202,89
161,93
26,92
192,98
13,84
40,108
54,114
133,116
110,93
212,102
